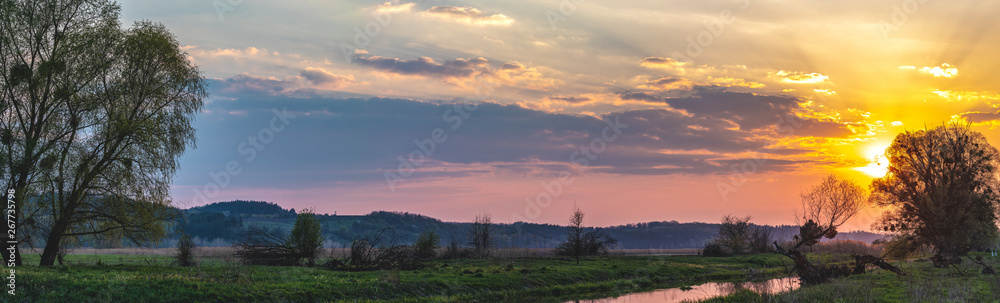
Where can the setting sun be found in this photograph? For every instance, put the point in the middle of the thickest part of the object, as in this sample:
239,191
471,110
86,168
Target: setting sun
877,164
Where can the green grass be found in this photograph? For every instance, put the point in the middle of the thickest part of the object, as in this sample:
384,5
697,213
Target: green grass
923,283
546,279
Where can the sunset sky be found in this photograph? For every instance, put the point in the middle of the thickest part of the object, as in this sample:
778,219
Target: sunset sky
731,107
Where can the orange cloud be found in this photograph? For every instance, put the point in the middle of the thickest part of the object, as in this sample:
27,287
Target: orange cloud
730,82
798,77
668,83
663,63
388,7
469,15
945,70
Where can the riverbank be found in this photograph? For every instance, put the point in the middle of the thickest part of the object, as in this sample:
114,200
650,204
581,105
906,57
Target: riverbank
923,283
538,279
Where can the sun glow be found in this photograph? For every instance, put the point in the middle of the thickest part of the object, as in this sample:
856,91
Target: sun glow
877,164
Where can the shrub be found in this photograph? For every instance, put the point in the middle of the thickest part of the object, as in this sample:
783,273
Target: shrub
375,252
306,238
760,240
594,242
185,251
714,250
426,245
738,236
258,246
454,251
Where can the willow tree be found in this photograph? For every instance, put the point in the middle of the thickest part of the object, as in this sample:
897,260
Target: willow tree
94,119
825,207
941,190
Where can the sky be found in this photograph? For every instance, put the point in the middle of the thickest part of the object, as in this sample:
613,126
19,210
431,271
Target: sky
633,111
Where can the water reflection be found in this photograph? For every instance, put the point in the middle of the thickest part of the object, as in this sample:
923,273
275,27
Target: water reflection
704,291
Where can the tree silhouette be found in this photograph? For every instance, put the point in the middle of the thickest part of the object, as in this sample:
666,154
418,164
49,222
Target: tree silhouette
942,190
583,243
825,207
481,235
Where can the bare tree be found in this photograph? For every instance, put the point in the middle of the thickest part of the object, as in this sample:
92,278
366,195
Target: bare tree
378,251
584,243
825,207
259,246
481,235
574,245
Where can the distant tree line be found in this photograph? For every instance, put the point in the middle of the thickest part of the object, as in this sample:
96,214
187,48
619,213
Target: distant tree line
737,237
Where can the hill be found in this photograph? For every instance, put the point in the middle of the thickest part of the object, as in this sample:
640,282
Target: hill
220,223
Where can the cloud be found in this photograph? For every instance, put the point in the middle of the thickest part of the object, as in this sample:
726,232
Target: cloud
798,77
424,66
469,15
573,100
668,83
309,78
979,117
518,75
663,63
511,66
511,74
733,82
321,77
251,83
389,8
951,95
944,70
746,111
640,96
355,140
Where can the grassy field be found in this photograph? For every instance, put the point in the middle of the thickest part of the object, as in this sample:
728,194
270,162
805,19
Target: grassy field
148,278
923,283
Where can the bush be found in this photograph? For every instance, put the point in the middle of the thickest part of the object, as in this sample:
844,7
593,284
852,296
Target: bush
760,240
306,238
738,236
454,251
377,253
715,250
591,243
259,246
426,245
185,251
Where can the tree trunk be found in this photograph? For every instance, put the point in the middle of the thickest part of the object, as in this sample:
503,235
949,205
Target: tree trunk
863,261
51,250
807,271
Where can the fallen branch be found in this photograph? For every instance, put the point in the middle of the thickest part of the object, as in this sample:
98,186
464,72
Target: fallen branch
987,270
862,261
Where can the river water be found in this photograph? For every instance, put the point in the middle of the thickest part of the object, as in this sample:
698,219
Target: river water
702,291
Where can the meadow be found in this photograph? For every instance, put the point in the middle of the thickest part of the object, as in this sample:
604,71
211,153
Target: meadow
130,276
922,283
148,275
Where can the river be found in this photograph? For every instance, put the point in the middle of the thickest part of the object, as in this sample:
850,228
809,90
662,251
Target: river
702,291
